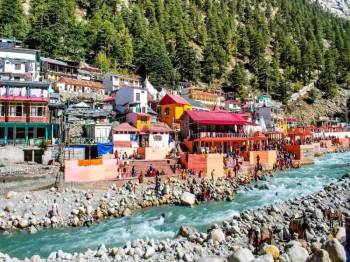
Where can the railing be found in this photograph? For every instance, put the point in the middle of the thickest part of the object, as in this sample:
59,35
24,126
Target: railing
87,141
218,135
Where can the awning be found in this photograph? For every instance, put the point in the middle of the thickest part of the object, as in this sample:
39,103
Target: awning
216,118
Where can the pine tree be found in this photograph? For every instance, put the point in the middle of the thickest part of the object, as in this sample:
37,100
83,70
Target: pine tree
12,19
328,78
239,82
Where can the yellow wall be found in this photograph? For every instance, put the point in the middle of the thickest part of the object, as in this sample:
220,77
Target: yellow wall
175,112
140,124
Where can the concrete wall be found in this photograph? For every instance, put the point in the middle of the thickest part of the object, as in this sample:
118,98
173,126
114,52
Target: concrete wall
75,173
317,148
11,154
155,153
304,153
215,162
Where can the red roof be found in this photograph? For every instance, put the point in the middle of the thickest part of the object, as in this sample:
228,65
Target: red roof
216,118
173,99
125,127
291,119
78,82
156,128
109,99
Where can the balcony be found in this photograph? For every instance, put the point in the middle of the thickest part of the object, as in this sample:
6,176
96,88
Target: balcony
23,94
218,135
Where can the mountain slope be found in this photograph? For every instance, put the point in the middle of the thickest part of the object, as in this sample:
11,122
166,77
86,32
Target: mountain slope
339,7
242,46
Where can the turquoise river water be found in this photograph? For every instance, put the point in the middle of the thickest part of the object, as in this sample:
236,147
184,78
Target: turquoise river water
148,224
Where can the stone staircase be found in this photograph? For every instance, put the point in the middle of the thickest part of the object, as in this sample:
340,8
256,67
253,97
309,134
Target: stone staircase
143,165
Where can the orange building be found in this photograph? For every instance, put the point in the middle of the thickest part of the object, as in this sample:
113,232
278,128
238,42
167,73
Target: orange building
172,108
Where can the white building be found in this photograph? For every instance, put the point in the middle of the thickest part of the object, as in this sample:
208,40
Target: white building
18,63
131,99
113,82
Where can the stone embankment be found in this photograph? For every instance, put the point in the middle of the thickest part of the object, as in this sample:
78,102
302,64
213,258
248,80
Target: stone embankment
30,210
229,240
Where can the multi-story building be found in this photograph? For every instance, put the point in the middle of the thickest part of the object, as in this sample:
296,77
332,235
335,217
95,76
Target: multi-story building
52,69
83,89
114,82
131,99
24,116
209,99
17,63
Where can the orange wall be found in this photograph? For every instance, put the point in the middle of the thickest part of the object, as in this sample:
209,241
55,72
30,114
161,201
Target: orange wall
304,153
75,173
267,158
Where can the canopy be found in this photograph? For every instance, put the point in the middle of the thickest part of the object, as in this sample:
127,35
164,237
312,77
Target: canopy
216,118
125,127
106,148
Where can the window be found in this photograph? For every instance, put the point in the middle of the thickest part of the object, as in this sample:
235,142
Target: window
143,109
167,111
16,110
17,66
138,98
37,110
2,110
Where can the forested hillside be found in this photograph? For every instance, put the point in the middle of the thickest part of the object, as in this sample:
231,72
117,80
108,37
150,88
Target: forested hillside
240,45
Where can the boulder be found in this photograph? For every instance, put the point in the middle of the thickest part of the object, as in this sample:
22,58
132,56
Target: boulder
319,256
335,250
284,258
188,199
101,251
273,251
186,231
10,194
23,223
297,254
341,234
35,258
217,235
212,259
264,258
150,251
241,255
33,230
127,212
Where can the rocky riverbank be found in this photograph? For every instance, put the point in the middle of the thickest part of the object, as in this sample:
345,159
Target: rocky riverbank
229,242
77,207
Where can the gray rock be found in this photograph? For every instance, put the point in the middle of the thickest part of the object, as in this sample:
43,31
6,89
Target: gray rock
188,199
319,256
264,258
150,251
23,223
33,230
241,255
212,259
10,194
101,251
127,212
335,250
217,235
297,254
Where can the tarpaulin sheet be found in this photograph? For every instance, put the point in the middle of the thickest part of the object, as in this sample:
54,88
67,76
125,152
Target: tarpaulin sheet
104,148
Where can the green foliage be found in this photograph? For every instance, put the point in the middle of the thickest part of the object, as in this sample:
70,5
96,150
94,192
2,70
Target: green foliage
311,96
12,21
279,43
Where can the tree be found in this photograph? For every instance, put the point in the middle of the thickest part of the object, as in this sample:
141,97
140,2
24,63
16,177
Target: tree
12,20
328,79
239,81
103,62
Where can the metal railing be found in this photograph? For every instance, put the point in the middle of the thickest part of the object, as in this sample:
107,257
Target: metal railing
218,135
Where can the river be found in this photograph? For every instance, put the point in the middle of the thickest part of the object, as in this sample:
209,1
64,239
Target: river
149,224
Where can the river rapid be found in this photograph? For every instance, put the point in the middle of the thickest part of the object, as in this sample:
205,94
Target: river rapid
149,223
